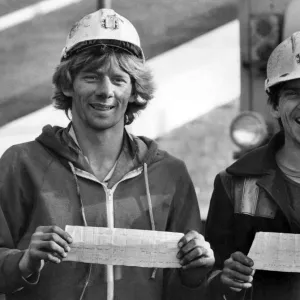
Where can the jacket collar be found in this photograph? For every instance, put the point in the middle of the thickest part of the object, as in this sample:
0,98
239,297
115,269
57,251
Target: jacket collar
136,151
126,161
262,163
259,161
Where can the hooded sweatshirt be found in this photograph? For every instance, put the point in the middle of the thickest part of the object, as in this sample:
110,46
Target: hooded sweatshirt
49,182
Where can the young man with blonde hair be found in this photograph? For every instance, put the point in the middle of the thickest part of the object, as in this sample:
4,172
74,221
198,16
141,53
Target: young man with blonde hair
94,173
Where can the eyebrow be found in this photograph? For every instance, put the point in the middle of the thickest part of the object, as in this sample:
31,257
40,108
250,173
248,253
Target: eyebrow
286,89
99,72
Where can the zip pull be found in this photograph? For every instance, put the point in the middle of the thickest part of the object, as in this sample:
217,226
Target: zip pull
110,208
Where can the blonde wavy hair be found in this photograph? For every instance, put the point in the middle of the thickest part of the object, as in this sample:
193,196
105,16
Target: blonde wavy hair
91,59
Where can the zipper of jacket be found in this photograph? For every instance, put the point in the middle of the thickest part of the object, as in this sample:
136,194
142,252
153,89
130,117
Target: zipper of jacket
110,224
109,193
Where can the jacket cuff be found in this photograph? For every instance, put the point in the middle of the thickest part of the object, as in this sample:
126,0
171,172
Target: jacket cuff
32,279
185,283
179,291
196,292
14,281
217,291
215,288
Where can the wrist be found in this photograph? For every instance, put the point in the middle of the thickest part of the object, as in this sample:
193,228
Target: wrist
228,290
23,266
27,268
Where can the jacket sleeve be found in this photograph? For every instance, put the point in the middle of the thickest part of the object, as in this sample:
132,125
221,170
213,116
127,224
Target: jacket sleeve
219,232
184,216
14,210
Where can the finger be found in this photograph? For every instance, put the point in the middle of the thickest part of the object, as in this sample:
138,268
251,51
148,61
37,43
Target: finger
57,239
229,282
201,262
192,244
236,266
242,258
235,289
55,229
203,248
50,247
46,256
190,256
196,253
237,276
188,237
195,243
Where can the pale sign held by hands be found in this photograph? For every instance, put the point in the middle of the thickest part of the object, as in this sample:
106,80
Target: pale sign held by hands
276,252
128,247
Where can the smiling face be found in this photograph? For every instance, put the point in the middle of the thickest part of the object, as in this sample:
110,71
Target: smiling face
100,96
288,110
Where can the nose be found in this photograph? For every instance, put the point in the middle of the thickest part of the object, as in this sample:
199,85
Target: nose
104,88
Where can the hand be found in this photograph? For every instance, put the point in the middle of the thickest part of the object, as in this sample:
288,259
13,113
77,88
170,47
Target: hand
47,244
195,252
196,258
237,273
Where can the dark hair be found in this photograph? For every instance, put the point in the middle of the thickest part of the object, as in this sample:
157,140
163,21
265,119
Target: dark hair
274,95
91,59
273,100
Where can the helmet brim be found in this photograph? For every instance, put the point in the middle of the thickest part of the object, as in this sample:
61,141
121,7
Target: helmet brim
280,79
126,46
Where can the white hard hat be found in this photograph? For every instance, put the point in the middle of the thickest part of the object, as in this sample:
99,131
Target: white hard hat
284,62
106,27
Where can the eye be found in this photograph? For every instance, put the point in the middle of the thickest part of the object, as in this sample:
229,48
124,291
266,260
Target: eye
119,80
292,93
90,77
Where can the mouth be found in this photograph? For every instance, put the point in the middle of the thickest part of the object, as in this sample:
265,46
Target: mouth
102,107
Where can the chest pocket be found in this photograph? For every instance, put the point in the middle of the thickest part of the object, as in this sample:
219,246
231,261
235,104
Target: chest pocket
247,197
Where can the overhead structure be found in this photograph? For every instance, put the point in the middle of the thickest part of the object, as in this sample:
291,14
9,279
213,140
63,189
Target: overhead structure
264,24
103,4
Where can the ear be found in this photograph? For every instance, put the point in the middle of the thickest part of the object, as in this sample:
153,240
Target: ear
131,99
275,112
67,92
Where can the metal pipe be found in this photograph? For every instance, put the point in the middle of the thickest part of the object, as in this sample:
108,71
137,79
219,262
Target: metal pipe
104,4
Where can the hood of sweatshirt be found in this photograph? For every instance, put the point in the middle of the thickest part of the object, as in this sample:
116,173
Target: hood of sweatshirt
136,151
59,141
